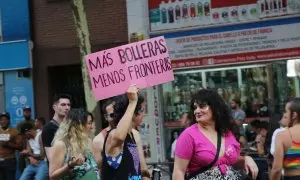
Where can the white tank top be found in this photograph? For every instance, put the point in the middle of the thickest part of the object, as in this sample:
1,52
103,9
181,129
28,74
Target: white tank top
34,143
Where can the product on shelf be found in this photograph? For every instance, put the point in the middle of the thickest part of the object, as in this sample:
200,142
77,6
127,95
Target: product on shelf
187,13
185,10
170,12
177,12
193,10
207,8
164,16
200,9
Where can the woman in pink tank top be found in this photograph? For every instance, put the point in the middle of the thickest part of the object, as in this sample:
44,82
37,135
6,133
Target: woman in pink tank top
196,147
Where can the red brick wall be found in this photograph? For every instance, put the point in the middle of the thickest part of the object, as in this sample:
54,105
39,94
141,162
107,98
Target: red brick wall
53,24
107,21
55,40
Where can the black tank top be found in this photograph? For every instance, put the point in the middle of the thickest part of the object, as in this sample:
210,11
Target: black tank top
129,168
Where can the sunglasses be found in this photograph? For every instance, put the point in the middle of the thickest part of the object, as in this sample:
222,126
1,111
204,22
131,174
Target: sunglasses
111,115
141,110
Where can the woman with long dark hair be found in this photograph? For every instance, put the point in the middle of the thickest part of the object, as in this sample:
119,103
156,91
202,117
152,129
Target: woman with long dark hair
287,145
108,111
208,148
121,157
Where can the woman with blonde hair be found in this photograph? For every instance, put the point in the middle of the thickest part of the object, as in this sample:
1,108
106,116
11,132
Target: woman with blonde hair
72,148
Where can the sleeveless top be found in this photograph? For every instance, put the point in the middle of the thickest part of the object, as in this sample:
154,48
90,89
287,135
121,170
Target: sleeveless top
87,171
292,156
127,168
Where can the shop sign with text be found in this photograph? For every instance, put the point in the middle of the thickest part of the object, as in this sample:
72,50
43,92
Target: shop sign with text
176,14
239,44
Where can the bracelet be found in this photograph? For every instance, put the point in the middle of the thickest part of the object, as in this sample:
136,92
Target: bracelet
146,173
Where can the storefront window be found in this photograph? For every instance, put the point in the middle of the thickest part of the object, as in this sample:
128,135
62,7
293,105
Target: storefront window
285,87
178,94
293,87
254,92
252,84
225,82
249,84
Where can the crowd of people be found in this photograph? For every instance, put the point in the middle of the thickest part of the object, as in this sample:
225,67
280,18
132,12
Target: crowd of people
214,145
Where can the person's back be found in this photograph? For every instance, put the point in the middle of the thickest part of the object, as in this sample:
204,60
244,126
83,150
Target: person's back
98,141
121,158
291,163
126,165
48,134
287,145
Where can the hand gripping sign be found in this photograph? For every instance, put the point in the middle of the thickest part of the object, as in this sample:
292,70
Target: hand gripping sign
144,63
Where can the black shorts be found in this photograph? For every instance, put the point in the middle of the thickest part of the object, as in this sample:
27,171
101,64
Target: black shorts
291,178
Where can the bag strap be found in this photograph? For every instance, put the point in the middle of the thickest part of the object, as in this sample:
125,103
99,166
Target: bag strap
219,141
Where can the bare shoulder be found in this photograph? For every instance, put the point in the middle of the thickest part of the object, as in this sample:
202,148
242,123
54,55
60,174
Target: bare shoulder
135,132
98,139
282,134
136,135
59,145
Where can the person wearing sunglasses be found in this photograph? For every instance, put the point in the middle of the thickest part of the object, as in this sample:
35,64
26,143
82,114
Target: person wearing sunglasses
208,148
108,111
122,149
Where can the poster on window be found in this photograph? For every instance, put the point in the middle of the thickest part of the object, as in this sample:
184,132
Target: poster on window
175,14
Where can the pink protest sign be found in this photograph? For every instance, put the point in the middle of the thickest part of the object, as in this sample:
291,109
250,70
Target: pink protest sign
144,63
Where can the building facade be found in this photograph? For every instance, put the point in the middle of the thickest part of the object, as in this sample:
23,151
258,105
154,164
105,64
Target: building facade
16,89
239,48
56,55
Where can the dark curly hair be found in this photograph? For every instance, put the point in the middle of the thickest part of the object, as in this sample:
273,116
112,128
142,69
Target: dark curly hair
106,103
24,127
120,107
220,111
